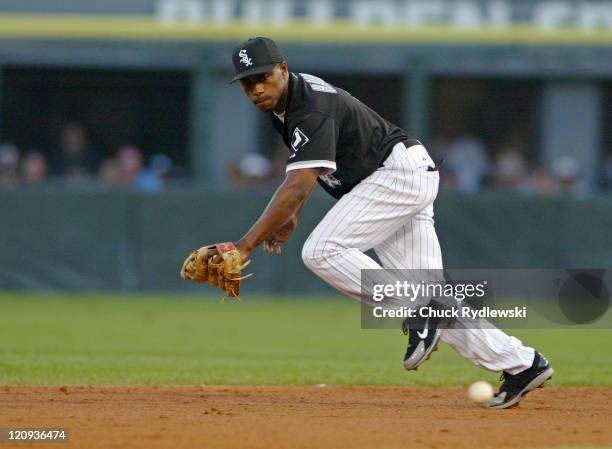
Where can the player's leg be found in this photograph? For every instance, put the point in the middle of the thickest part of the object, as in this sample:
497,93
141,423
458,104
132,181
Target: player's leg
368,215
415,246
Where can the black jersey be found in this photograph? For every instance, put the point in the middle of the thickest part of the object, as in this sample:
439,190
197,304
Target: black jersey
326,127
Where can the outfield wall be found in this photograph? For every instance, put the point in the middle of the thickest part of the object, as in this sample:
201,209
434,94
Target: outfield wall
118,241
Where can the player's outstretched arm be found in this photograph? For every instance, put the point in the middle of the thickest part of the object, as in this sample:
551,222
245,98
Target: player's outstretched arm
274,242
288,199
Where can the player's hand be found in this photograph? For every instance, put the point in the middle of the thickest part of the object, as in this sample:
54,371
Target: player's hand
271,246
274,243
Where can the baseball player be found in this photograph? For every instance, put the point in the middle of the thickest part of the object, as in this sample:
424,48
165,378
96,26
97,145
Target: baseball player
385,183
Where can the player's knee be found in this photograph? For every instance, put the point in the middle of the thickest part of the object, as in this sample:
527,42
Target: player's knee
309,255
314,253
317,252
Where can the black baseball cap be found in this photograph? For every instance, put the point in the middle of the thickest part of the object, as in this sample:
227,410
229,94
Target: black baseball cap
255,56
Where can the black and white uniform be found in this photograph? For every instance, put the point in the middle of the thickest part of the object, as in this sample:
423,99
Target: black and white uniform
385,183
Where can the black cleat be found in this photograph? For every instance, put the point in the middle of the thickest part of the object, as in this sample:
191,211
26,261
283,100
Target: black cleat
421,343
515,387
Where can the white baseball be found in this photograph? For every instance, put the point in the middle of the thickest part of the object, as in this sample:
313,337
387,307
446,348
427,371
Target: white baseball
480,392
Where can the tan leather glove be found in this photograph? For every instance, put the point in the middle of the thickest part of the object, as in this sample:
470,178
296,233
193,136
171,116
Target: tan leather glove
220,265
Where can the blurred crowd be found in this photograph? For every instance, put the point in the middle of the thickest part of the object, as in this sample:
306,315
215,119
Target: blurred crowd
469,166
76,162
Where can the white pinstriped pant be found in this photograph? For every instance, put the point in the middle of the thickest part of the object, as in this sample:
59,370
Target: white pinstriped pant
391,211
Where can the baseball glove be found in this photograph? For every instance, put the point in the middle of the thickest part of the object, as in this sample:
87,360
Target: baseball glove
220,265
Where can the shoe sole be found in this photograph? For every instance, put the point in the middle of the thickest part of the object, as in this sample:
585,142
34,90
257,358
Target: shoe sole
537,382
427,354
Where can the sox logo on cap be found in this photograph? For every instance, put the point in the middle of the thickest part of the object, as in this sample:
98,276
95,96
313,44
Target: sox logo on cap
244,58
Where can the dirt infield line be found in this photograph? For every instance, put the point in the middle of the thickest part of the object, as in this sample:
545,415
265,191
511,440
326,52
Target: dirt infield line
305,417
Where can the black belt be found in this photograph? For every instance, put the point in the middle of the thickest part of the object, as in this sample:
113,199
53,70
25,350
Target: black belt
437,166
407,143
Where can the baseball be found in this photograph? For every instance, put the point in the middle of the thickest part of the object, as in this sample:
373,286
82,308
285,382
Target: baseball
480,392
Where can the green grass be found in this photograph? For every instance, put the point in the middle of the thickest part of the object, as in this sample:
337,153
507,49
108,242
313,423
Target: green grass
167,339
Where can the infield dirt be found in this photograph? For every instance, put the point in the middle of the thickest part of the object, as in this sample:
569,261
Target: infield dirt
305,417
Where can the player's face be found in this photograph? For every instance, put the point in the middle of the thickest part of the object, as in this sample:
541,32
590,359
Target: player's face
267,90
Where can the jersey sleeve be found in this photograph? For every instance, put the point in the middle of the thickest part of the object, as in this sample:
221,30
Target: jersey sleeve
313,144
